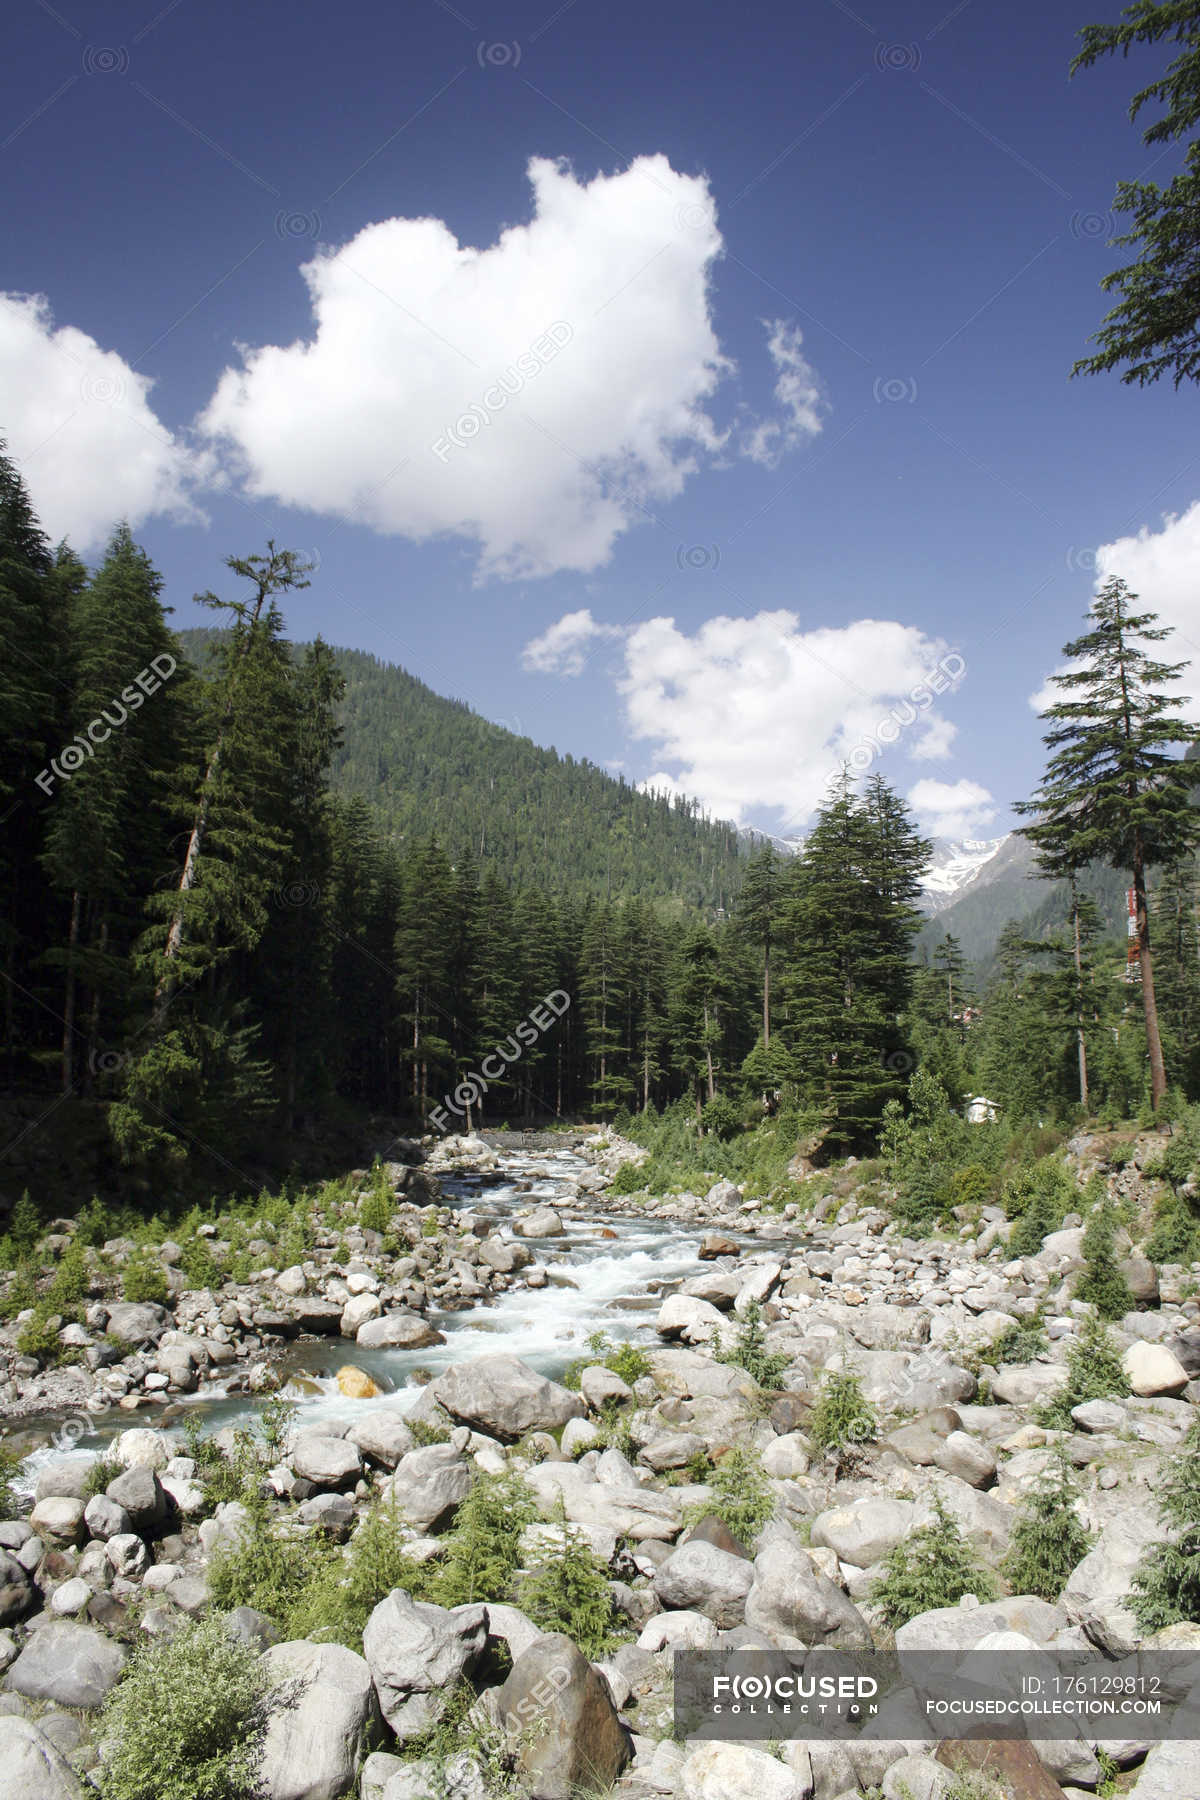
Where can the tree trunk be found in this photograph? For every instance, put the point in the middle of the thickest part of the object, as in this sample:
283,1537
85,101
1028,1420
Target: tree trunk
1079,1009
68,1045
1158,1072
766,997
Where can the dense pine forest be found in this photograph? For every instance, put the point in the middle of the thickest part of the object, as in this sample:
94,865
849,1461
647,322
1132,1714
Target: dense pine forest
215,950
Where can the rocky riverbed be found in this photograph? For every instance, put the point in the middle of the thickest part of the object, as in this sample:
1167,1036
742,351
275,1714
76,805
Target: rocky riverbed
427,1354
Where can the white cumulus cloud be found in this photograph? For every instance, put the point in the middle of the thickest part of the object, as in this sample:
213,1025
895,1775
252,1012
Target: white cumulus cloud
952,809
529,397
750,714
80,428
1163,569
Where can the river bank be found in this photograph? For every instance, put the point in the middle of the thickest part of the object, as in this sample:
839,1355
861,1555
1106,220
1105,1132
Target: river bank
690,1451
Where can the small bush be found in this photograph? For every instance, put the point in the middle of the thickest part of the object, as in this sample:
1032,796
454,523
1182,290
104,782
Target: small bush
1094,1372
102,1471
10,1462
1048,1539
842,1419
932,1567
1174,1237
721,1117
1039,1198
377,1207
626,1360
748,1350
568,1590
628,1179
267,1570
1166,1583
483,1548
1102,1284
741,1497
1021,1342
343,1590
24,1227
144,1279
188,1720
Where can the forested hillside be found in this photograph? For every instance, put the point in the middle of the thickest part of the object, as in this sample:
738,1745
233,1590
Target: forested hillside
426,764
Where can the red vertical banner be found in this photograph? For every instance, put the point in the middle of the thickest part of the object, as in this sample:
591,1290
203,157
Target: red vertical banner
1133,964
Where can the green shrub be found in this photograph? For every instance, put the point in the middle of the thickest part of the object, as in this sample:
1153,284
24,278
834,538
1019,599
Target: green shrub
102,1471
10,1462
1020,1342
741,1497
483,1547
24,1227
188,1720
628,1179
21,1293
748,1350
426,1434
1174,1237
265,1569
1039,1198
378,1204
934,1566
842,1420
721,1117
145,1279
39,1337
1048,1539
568,1590
1166,1583
626,1360
1094,1372
1102,1283
342,1591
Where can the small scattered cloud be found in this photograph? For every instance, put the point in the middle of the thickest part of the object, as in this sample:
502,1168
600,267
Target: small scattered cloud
952,809
797,393
562,649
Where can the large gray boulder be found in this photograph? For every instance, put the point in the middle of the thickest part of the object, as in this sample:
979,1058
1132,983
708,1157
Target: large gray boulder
701,1578
399,1330
325,1461
73,1665
1099,1587
629,1510
318,1728
383,1437
559,1711
505,1398
543,1221
31,1767
140,1493
796,1605
863,1534
430,1485
16,1589
416,1653
961,1628
135,1322
731,1771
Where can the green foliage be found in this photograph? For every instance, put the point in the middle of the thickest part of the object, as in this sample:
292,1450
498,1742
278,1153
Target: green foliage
936,1159
102,1471
1166,1583
748,1350
567,1589
10,1462
741,1496
144,1279
720,1117
1094,1372
1174,1236
1022,1341
934,1566
1048,1539
378,1204
187,1721
263,1568
1038,1198
629,1178
342,1591
483,1546
1102,1283
24,1227
626,1360
843,1420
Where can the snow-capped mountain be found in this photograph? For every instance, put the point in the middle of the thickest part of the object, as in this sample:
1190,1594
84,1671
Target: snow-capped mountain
957,863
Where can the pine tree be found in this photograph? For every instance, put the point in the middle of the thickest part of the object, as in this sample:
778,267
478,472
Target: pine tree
1177,974
758,915
1111,792
850,924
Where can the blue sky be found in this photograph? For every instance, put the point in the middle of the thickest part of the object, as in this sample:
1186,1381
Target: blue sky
796,289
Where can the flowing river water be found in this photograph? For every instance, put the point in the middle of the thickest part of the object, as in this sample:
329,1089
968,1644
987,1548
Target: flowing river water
605,1273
